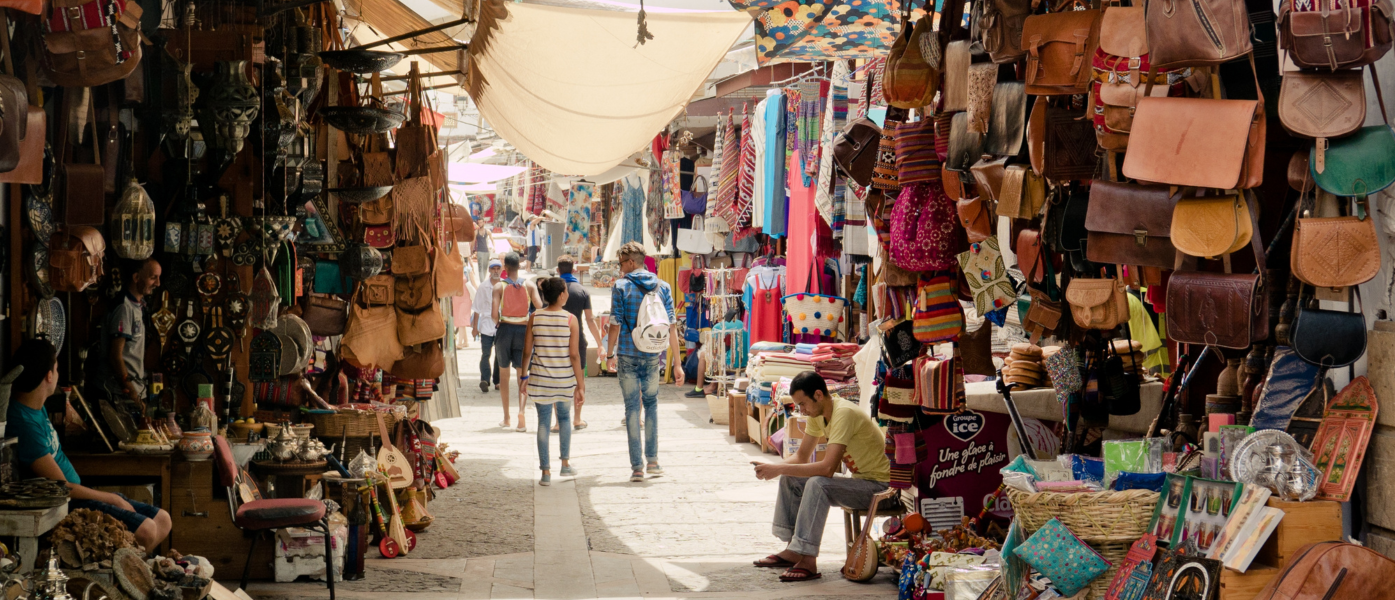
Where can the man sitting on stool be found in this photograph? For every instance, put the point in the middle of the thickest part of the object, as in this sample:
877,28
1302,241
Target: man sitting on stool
40,455
808,489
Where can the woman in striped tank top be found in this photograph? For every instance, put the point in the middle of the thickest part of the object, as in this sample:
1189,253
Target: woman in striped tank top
551,375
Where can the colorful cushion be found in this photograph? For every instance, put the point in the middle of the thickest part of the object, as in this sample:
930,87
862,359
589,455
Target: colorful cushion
1069,563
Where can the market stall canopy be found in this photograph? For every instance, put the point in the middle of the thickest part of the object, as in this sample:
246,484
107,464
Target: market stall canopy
819,30
478,173
571,89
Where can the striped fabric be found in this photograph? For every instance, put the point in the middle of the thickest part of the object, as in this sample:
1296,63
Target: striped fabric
725,209
942,124
916,161
719,151
826,200
537,189
746,177
935,384
938,316
550,374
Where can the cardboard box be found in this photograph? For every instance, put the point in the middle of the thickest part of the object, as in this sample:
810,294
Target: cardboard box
593,368
794,437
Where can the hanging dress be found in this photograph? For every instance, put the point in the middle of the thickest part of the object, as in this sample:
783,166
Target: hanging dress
776,136
632,210
766,321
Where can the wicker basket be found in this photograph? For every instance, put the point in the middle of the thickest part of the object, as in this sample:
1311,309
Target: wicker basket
356,423
1110,522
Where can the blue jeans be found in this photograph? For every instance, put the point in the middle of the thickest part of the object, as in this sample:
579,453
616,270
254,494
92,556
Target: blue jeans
639,382
564,429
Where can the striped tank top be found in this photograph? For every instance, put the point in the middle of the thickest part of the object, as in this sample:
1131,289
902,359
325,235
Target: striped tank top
550,374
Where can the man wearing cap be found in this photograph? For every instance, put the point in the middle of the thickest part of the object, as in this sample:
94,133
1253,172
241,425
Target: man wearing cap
482,322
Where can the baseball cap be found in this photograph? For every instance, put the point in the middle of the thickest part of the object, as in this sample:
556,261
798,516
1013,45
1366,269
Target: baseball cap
494,262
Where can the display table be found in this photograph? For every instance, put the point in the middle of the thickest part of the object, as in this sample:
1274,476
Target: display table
27,526
1041,404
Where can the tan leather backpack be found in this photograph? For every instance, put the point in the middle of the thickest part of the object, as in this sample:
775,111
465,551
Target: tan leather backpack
75,258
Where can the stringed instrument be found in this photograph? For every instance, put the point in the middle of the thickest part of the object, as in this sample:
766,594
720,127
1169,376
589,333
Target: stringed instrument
391,461
396,529
861,564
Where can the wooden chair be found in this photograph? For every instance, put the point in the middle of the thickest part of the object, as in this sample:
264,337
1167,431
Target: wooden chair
258,516
853,517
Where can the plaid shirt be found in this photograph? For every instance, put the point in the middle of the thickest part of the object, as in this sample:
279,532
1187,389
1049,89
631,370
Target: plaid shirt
625,299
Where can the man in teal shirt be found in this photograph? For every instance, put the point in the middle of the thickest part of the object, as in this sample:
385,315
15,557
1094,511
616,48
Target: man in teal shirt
41,456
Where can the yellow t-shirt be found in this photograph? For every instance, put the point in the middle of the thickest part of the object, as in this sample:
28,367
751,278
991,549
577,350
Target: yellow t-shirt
865,455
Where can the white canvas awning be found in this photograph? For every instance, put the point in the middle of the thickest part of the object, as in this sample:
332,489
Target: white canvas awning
572,89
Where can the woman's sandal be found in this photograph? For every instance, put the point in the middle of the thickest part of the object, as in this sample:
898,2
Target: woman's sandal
796,574
774,561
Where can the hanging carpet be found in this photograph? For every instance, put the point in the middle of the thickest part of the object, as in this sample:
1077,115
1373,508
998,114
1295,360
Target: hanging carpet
571,89
818,30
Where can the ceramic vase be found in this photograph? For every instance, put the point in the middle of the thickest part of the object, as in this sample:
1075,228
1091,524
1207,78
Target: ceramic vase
196,445
234,102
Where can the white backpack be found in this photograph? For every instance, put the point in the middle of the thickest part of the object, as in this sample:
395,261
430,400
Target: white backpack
651,323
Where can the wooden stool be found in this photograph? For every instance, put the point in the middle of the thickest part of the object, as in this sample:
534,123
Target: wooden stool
853,517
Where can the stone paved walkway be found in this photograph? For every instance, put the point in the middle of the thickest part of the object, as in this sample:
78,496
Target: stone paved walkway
689,534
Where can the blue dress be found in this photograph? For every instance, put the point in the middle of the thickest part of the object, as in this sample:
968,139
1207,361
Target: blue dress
632,209
776,133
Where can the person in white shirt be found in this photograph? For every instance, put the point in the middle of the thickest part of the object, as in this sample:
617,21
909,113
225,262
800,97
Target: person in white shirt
482,322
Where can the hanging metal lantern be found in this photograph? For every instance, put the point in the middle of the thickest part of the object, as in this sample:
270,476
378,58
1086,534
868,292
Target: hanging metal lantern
360,261
133,224
234,102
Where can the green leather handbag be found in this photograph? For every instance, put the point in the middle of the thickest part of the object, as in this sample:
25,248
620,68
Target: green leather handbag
1359,164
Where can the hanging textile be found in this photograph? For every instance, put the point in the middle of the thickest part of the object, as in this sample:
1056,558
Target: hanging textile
654,210
571,89
725,205
537,189
632,210
777,135
745,180
833,122
811,31
720,156
578,234
811,108
673,199
759,189
800,257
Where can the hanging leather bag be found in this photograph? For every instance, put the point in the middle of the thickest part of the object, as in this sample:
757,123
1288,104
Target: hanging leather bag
955,89
1197,142
75,256
371,335
413,292
14,114
411,260
1130,224
88,43
1023,193
1008,120
1059,48
457,224
1211,226
448,270
378,290
424,361
1029,255
855,150
1199,33
965,147
1120,65
1098,303
377,212
1323,34
1329,338
1335,252
1070,145
925,233
977,217
982,79
415,141
1001,26
988,178
420,326
908,81
1219,309
81,185
326,314
1322,106
1359,164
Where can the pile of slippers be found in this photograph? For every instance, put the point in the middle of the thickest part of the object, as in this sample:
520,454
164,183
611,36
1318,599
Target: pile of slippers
1023,366
1132,353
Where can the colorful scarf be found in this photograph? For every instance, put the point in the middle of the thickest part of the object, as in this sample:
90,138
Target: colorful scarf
725,210
746,178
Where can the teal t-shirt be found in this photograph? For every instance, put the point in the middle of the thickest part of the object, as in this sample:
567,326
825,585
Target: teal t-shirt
37,439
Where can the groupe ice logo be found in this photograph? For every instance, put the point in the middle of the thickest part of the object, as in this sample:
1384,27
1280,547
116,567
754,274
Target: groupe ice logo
965,425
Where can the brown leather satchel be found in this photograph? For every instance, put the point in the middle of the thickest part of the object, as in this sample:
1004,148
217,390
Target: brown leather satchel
988,177
371,336
378,290
1059,47
377,169
1008,120
977,218
377,212
965,147
1023,193
1336,252
459,227
1043,316
1334,36
1001,28
31,150
1219,309
1119,102
982,78
1130,224
907,80
411,260
1322,106
420,326
855,150
1070,145
1199,33
448,270
1211,226
955,89
326,314
75,255
1029,255
1330,570
424,361
413,292
14,120
1098,303
1198,142
89,43
415,140
1036,135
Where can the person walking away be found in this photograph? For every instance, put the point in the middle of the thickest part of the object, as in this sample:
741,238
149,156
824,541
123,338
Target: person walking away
640,301
513,299
551,376
578,303
484,328
482,244
808,489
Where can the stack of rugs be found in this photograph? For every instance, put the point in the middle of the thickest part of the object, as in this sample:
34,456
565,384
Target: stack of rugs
1023,366
834,362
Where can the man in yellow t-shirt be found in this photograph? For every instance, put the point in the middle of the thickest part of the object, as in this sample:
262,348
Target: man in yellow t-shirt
808,489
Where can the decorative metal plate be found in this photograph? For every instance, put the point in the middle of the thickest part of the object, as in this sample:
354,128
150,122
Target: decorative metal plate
1250,455
36,268
359,195
51,321
362,120
38,210
363,62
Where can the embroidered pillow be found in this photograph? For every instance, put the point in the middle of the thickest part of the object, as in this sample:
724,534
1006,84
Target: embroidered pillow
1069,563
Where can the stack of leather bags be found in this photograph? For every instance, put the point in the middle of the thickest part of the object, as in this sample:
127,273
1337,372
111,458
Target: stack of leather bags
1023,366
1132,353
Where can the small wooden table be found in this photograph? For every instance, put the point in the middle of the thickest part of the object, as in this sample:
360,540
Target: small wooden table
27,526
305,474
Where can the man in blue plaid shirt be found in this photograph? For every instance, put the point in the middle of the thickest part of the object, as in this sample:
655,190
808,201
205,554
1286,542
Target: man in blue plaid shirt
640,372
